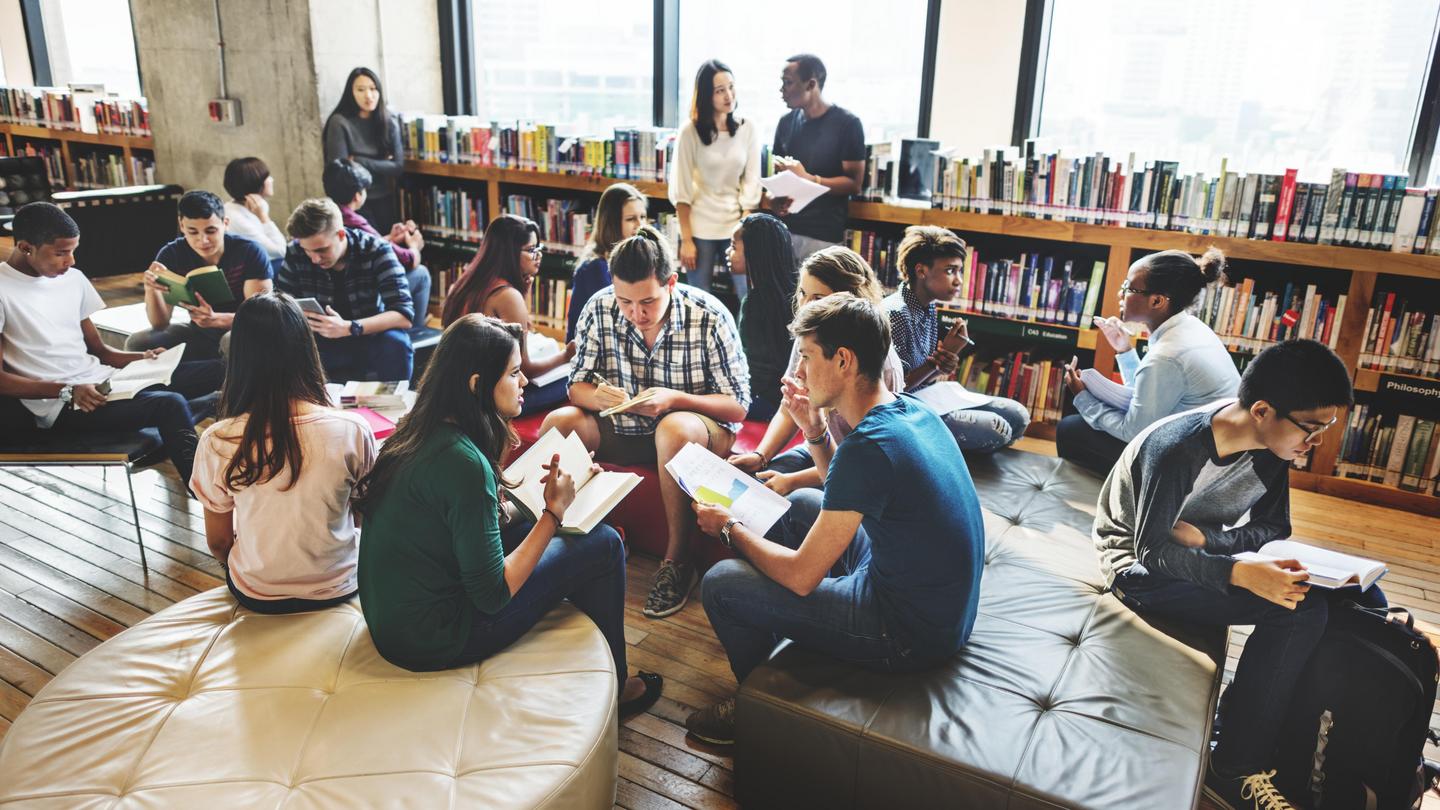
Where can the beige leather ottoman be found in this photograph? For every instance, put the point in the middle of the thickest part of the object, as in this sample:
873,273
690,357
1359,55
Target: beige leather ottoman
1062,698
207,705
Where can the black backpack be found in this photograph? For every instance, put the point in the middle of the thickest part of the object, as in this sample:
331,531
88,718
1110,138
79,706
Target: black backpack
1354,736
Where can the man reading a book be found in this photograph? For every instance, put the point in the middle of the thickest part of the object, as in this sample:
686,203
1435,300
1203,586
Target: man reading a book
54,369
883,567
244,270
674,350
1173,512
363,333
933,259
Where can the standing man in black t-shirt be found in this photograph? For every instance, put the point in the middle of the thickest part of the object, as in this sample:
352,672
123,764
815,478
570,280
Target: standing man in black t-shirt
821,142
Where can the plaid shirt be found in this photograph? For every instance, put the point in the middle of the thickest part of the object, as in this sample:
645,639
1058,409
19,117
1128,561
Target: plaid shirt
914,329
697,352
373,280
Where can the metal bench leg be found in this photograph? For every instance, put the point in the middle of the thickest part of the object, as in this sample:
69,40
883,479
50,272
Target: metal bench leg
135,512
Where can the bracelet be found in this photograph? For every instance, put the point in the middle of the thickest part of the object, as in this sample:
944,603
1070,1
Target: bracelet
764,462
555,517
820,438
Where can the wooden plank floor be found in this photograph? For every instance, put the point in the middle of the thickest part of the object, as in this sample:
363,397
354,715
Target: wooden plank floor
70,578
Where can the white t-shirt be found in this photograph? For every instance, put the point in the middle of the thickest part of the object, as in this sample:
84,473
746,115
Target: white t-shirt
244,223
301,542
719,182
40,322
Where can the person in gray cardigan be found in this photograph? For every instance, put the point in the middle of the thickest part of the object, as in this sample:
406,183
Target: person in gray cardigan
363,130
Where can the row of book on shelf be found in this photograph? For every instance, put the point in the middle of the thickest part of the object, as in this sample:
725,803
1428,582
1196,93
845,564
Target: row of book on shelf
80,108
98,170
1358,209
630,153
1397,450
1401,340
1248,320
1036,383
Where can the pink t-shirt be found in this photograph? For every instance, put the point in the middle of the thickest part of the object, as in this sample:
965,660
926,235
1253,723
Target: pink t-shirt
301,542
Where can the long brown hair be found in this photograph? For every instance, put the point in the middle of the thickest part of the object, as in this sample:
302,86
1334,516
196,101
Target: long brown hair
842,270
609,218
473,344
498,257
273,366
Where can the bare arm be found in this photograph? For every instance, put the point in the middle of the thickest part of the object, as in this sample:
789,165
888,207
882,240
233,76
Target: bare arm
509,305
800,570
220,534
157,311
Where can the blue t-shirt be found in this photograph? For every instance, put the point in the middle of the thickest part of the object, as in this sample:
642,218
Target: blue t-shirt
902,470
242,259
590,278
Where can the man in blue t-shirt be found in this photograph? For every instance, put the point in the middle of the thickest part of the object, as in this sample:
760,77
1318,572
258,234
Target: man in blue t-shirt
882,569
203,242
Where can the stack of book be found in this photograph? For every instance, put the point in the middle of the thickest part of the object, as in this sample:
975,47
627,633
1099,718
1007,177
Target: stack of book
1038,384
636,153
1401,336
1032,288
82,110
1248,320
1397,450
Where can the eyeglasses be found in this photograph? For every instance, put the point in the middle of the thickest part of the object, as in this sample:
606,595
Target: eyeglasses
534,250
1311,433
1126,289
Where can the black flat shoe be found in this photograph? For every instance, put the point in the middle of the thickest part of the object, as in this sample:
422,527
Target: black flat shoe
654,684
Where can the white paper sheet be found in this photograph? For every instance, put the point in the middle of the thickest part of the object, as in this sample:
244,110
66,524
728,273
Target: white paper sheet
944,397
801,192
709,479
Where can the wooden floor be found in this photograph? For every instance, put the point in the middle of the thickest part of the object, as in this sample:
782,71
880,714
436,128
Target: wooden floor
70,578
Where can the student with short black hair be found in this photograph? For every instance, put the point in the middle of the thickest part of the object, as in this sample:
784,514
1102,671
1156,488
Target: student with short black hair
54,368
348,183
760,250
250,186
362,129
277,472
204,241
822,142
933,261
355,277
1194,489
1184,367
647,334
883,568
621,212
715,176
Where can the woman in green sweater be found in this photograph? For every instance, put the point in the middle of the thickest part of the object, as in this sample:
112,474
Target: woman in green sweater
445,579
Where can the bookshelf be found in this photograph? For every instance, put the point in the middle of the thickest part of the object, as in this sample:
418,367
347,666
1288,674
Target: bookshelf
1121,246
74,145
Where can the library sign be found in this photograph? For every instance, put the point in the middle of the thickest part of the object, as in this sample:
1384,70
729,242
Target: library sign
1000,327
1409,395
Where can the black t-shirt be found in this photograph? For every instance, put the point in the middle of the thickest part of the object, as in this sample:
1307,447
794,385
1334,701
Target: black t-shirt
822,144
242,260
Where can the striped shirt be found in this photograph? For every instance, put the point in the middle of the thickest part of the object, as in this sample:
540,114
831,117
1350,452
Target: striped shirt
914,329
371,282
697,352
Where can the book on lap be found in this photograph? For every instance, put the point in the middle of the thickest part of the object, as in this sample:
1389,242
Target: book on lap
596,493
1327,569
142,374
209,282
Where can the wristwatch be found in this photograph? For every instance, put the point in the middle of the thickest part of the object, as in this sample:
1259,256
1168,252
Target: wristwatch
725,533
356,329
67,393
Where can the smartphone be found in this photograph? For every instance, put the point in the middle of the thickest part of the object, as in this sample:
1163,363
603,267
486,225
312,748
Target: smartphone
310,305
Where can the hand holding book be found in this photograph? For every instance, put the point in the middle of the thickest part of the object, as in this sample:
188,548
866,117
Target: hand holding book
559,488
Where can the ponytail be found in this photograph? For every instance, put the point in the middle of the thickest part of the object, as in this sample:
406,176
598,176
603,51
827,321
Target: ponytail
1179,276
642,256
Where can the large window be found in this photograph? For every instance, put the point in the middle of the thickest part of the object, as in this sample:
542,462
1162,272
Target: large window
583,66
91,42
1308,84
872,55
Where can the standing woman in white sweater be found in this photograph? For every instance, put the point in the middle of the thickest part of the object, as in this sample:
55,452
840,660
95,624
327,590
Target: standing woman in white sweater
715,177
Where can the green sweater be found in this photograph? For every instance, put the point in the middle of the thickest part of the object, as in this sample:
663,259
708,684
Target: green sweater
430,554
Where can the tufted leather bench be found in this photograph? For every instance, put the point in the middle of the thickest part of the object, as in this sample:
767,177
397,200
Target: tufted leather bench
208,705
1062,698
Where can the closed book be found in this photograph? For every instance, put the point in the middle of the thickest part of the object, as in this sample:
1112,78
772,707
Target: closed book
1412,475
1399,444
1284,206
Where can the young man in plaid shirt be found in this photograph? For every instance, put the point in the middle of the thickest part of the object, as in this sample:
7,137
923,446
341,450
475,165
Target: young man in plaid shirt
646,333
364,333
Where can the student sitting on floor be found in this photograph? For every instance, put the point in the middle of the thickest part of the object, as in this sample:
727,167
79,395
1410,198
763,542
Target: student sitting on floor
348,183
250,186
619,215
883,568
933,260
445,579
647,334
53,365
1161,529
203,242
1185,367
827,272
364,332
275,474
760,251
498,282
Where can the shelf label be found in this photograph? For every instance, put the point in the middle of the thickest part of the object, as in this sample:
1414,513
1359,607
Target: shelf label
1409,395
1002,327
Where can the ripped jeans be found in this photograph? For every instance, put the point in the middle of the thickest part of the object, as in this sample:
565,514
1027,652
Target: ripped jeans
989,427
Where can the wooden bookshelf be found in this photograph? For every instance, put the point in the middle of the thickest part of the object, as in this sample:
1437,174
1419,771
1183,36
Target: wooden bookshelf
127,144
1122,245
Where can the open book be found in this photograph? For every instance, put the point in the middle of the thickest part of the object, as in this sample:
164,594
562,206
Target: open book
209,282
1328,569
710,479
142,374
542,347
595,495
1107,390
378,395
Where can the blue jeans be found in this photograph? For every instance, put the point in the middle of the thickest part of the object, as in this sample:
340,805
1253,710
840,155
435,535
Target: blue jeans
382,356
989,427
200,343
1095,450
751,613
1259,696
419,282
795,459
708,253
545,397
589,570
